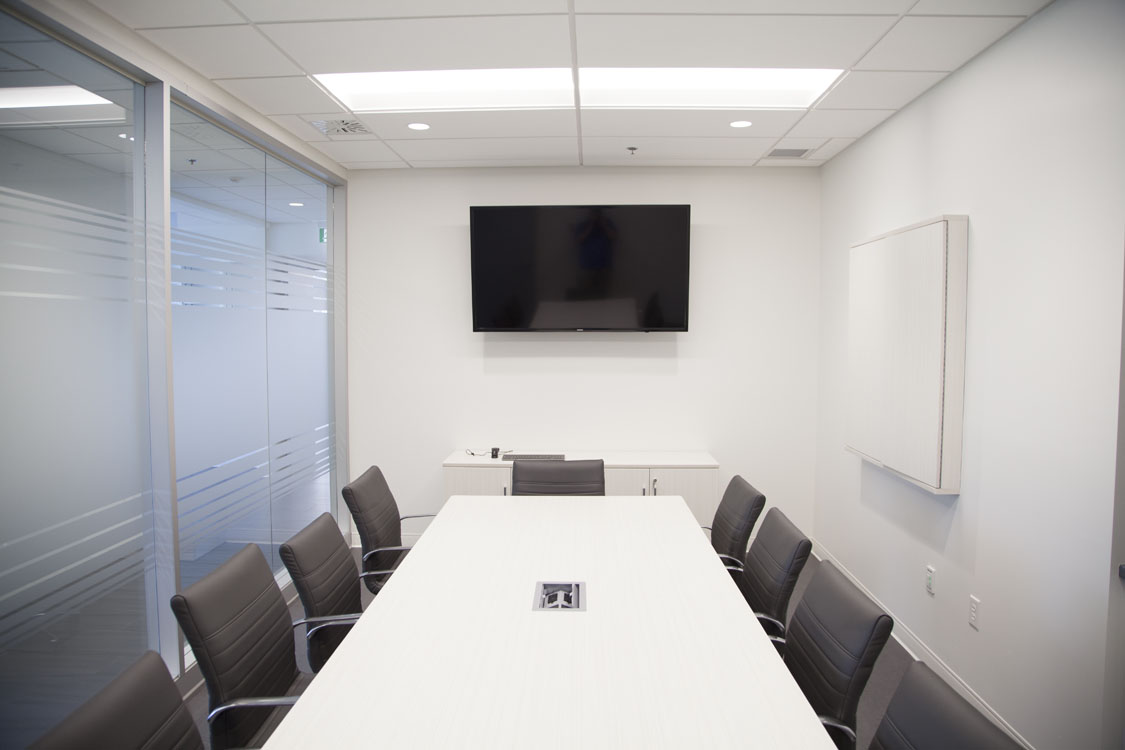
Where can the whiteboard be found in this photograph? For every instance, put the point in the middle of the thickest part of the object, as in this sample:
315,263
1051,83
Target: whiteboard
906,317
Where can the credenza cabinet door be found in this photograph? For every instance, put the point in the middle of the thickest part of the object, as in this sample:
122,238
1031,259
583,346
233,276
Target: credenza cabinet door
478,480
626,481
698,487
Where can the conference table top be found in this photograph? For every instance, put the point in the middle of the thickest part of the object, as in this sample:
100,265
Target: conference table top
451,654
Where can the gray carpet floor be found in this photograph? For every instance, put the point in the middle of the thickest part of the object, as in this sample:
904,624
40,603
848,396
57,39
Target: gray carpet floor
889,669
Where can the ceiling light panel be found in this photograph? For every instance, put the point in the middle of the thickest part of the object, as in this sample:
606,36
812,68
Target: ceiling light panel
703,88
452,90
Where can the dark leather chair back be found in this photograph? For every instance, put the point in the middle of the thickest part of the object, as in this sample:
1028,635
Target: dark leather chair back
927,714
376,517
773,564
140,708
833,639
327,580
535,477
735,517
238,625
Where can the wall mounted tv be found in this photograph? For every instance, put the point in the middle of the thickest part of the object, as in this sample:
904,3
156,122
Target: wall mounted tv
580,268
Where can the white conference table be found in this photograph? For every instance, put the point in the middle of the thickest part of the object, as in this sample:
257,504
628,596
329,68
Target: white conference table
451,654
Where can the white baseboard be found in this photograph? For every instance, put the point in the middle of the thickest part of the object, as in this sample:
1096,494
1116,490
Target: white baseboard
920,651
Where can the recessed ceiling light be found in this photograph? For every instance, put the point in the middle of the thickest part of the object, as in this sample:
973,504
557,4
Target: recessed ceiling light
48,96
703,88
436,90
418,126
122,135
296,205
741,124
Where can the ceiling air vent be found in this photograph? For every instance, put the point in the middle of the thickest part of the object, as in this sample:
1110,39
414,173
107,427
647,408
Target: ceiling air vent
340,127
788,153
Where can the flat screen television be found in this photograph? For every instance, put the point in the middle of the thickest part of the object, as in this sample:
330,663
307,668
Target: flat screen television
580,268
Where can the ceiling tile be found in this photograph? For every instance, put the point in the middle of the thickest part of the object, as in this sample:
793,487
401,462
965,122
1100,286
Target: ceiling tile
667,150
837,7
713,123
933,43
790,162
145,13
294,95
496,163
808,144
841,123
301,127
374,165
223,51
491,124
878,89
261,11
426,44
343,151
833,147
727,41
977,7
550,150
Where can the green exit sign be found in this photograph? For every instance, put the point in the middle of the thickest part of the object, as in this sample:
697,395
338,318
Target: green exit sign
323,234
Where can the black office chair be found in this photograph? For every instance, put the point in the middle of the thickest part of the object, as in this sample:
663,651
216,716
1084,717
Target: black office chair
376,517
735,517
237,623
833,639
538,477
927,714
327,580
141,708
773,564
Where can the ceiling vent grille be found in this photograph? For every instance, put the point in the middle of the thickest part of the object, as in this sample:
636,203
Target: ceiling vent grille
340,127
788,153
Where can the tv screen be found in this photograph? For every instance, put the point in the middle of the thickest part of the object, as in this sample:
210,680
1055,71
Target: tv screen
580,268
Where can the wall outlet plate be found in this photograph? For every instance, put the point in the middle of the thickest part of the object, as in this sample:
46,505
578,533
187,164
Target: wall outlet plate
930,571
974,612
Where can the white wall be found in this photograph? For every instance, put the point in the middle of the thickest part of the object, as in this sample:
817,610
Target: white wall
741,382
1027,141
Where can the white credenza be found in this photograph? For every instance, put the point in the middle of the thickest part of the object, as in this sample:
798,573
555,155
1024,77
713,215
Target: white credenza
693,475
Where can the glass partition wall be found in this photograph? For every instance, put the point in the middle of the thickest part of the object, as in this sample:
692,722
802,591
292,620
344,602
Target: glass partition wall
94,530
250,337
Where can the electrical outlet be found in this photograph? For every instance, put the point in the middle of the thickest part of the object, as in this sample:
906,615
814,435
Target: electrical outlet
930,579
974,612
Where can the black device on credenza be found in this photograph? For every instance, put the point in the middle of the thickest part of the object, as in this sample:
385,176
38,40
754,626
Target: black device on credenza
580,268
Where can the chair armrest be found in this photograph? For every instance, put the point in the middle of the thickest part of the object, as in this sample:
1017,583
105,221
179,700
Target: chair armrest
734,560
351,617
284,700
832,725
705,528
369,553
327,621
421,515
766,620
